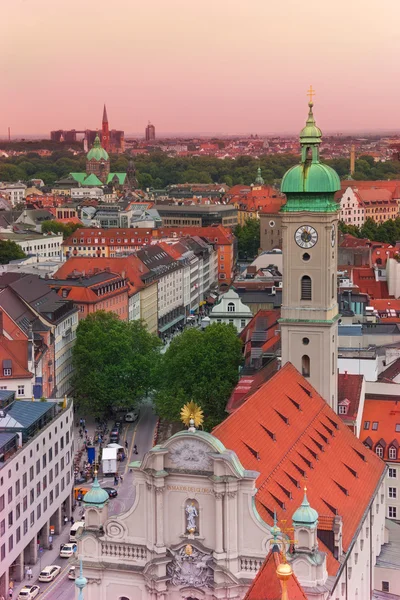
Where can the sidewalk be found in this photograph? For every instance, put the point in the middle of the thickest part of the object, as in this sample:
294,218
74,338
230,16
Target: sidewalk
46,558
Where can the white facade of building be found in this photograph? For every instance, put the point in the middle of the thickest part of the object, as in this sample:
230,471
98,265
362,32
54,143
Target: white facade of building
34,484
43,246
15,191
82,193
134,307
231,310
170,292
65,335
193,532
351,209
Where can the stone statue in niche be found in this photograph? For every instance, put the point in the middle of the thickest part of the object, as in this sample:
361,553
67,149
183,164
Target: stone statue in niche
192,515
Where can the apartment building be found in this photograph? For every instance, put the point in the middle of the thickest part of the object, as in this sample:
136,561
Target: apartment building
36,480
37,244
32,304
15,191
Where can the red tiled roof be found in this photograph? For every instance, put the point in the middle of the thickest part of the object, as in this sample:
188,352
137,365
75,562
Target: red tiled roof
17,352
349,388
386,413
248,384
383,304
130,265
267,586
218,234
364,279
279,431
350,241
391,372
371,195
73,220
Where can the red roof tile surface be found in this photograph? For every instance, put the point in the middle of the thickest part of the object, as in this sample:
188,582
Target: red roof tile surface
287,432
267,586
17,352
349,388
386,414
390,373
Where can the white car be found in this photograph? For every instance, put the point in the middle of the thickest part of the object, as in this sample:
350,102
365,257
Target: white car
49,573
71,573
68,550
130,417
29,592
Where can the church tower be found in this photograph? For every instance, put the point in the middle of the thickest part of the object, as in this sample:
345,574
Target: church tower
309,228
105,132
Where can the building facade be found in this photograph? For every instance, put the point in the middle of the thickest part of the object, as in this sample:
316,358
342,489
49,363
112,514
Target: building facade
36,475
309,305
231,311
15,192
42,246
352,211
150,133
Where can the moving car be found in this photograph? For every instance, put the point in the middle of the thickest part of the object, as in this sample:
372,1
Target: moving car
49,573
130,417
68,550
29,592
71,573
118,425
112,493
114,436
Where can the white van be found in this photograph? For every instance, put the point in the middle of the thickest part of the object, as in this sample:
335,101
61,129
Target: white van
74,530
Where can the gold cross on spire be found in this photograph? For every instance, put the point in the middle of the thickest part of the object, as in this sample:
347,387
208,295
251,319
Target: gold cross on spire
310,93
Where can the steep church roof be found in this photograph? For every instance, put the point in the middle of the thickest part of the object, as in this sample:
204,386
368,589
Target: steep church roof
288,433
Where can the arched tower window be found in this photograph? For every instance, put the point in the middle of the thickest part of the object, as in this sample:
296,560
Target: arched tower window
306,292
305,365
231,307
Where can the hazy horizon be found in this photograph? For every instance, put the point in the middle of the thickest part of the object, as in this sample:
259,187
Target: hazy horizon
196,68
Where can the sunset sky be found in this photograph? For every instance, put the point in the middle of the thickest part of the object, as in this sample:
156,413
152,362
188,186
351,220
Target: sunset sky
223,66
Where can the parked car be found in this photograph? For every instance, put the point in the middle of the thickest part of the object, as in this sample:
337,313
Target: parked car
29,592
49,573
132,416
68,550
112,493
71,573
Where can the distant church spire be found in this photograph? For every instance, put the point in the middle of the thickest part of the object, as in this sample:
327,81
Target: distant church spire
105,118
105,132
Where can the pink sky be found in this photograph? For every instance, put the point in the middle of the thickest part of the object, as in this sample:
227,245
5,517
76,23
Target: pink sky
225,66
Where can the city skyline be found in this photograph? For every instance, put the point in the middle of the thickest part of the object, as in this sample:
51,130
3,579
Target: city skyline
198,69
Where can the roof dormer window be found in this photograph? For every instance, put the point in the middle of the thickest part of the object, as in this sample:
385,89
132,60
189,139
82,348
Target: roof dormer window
392,453
379,451
342,409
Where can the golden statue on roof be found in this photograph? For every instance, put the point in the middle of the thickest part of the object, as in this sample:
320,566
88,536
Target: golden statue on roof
192,415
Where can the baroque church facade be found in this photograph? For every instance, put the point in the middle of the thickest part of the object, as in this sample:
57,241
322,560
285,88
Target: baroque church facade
211,509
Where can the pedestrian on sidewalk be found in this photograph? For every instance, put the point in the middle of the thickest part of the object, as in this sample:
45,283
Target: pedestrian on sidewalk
72,520
115,479
10,592
135,450
121,479
126,444
29,573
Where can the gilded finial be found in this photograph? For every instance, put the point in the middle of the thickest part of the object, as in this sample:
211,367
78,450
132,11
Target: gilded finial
310,94
192,415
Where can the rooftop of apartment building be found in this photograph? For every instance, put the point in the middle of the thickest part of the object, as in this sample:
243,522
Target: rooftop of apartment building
20,421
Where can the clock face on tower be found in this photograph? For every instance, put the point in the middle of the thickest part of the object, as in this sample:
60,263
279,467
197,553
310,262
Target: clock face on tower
333,236
306,236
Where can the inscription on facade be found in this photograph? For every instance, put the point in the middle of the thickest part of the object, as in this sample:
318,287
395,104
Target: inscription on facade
189,488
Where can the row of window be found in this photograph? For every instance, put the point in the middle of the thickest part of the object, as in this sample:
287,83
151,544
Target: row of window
375,426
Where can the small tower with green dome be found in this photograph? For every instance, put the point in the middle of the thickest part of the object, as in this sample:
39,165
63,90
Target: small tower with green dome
259,180
95,502
98,161
309,312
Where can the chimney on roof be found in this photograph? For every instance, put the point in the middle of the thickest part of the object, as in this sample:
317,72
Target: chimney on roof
345,374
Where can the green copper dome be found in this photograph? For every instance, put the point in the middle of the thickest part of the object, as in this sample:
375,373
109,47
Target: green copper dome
305,515
96,496
311,185
97,152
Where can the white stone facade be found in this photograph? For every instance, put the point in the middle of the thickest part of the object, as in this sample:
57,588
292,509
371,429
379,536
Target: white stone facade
232,311
351,208
190,481
65,335
34,484
15,191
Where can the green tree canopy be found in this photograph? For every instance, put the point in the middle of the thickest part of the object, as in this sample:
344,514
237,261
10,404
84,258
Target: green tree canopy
114,363
66,229
202,366
248,237
10,251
